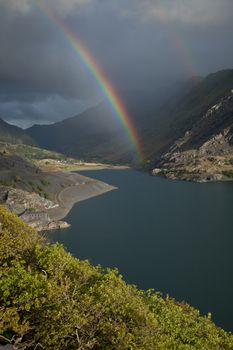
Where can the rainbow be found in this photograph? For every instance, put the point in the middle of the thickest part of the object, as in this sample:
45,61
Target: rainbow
99,76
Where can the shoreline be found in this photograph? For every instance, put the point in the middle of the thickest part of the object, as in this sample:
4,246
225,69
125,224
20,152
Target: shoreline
80,191
92,166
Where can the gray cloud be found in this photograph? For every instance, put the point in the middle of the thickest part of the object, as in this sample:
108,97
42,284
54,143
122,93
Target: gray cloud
44,111
142,43
64,7
185,11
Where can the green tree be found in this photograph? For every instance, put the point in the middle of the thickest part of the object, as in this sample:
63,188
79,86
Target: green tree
51,300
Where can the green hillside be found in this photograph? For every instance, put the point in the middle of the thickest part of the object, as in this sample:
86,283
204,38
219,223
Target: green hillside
51,300
30,153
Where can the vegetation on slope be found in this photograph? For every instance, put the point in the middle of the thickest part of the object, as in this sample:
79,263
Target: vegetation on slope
31,153
33,169
44,159
51,300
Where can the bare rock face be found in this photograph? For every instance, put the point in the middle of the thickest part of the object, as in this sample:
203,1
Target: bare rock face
19,201
205,152
31,208
156,171
55,225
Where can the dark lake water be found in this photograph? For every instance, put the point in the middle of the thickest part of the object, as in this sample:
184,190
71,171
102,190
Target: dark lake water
173,236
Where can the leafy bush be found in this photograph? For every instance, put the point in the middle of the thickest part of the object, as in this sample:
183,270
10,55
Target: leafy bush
228,173
51,300
46,195
17,178
44,182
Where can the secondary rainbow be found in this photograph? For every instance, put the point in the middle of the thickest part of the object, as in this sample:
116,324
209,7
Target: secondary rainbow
100,77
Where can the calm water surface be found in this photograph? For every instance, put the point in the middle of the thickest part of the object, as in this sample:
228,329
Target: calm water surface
175,237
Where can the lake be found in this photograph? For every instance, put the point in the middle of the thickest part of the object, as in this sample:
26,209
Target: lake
175,237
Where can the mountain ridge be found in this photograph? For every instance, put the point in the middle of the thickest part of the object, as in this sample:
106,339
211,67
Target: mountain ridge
13,134
96,135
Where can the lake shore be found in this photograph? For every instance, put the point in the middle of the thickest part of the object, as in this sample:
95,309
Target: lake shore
83,188
96,166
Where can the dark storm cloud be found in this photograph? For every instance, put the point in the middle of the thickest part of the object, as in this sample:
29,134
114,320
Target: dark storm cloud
26,113
143,43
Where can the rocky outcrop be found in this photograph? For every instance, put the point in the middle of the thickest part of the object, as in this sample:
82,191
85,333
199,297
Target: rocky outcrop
19,201
43,225
31,208
57,225
205,151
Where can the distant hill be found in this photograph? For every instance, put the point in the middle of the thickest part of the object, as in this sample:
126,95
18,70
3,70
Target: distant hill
97,135
30,153
158,118
92,135
13,134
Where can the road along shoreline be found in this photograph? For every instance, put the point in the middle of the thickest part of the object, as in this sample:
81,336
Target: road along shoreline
80,191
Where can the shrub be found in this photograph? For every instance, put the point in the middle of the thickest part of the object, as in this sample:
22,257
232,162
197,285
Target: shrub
51,300
228,173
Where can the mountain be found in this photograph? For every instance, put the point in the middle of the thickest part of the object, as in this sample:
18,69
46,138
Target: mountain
205,150
159,117
180,113
13,134
92,135
97,134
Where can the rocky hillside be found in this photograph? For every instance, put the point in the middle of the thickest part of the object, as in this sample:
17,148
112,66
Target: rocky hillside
205,151
13,134
180,113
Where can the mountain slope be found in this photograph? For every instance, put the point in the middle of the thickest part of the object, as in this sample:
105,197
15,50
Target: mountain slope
205,150
179,114
13,134
97,135
92,135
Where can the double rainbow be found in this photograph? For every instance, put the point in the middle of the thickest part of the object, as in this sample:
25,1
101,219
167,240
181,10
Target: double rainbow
99,76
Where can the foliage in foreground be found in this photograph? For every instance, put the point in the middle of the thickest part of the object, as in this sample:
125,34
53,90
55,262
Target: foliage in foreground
51,300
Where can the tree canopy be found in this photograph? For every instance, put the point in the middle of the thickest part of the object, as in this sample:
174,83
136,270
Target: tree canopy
51,300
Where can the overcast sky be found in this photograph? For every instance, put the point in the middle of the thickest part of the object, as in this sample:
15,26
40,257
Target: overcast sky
138,43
